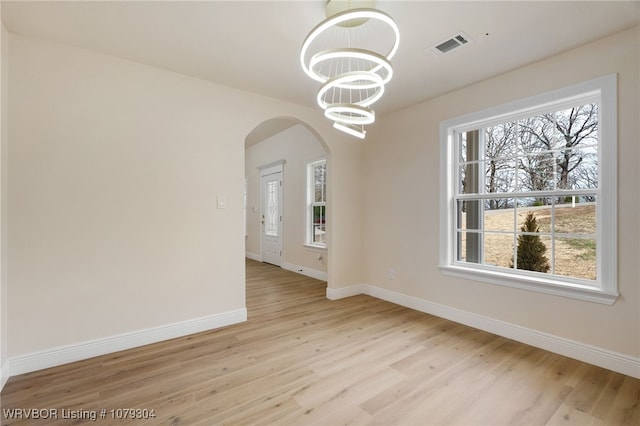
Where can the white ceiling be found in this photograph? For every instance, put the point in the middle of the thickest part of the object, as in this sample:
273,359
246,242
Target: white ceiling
254,45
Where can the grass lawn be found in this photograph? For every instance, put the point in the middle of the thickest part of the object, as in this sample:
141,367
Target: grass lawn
575,257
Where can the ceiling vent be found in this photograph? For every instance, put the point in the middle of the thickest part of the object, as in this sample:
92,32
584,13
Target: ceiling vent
454,42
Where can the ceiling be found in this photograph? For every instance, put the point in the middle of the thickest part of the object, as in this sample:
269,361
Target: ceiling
254,45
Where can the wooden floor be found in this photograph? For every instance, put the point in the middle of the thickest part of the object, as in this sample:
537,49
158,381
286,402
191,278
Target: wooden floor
301,359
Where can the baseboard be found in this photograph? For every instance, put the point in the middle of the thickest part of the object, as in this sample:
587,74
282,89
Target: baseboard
319,275
4,374
590,354
75,352
341,293
253,256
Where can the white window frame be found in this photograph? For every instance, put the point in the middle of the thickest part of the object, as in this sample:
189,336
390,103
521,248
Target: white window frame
605,287
311,203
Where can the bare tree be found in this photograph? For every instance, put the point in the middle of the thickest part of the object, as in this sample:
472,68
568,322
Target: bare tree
499,149
577,126
555,140
535,161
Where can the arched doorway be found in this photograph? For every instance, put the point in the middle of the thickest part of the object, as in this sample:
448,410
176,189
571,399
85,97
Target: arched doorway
301,156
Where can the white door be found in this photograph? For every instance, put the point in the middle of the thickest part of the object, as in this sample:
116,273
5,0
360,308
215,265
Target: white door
272,218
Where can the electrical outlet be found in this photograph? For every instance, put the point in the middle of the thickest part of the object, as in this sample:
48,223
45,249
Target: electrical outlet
222,201
391,274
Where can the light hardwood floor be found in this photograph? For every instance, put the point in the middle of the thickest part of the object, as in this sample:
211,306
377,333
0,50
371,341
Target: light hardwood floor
301,359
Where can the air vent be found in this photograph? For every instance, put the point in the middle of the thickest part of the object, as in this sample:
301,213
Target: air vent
457,40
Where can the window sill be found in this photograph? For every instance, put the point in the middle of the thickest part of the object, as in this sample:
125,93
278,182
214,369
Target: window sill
554,287
315,248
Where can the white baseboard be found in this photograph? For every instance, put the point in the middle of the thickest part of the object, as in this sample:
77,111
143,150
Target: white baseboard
590,354
341,293
253,256
4,373
75,352
313,273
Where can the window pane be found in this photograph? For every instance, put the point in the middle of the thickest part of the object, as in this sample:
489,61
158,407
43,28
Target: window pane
470,145
461,246
498,214
537,172
499,176
462,147
498,249
575,257
319,175
469,178
541,218
537,134
539,207
534,253
582,168
469,214
468,244
577,217
578,126
319,223
500,141
271,209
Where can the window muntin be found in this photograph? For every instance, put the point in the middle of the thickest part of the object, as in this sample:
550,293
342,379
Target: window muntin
549,158
539,161
316,203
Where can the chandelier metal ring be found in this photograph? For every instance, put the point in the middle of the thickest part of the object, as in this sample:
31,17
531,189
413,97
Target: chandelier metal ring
352,69
378,61
350,114
357,131
343,80
340,18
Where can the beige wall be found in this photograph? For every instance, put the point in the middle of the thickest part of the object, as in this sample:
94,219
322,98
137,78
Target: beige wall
297,146
114,169
4,136
402,169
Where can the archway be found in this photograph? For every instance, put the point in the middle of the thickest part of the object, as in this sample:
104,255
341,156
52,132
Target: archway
296,146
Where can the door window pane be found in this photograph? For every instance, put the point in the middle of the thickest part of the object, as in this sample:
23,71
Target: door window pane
271,209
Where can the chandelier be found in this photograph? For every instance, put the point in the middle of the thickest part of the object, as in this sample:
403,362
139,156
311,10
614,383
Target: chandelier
349,54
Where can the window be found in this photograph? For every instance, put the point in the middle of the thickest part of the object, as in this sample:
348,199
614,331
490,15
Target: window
530,200
316,203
